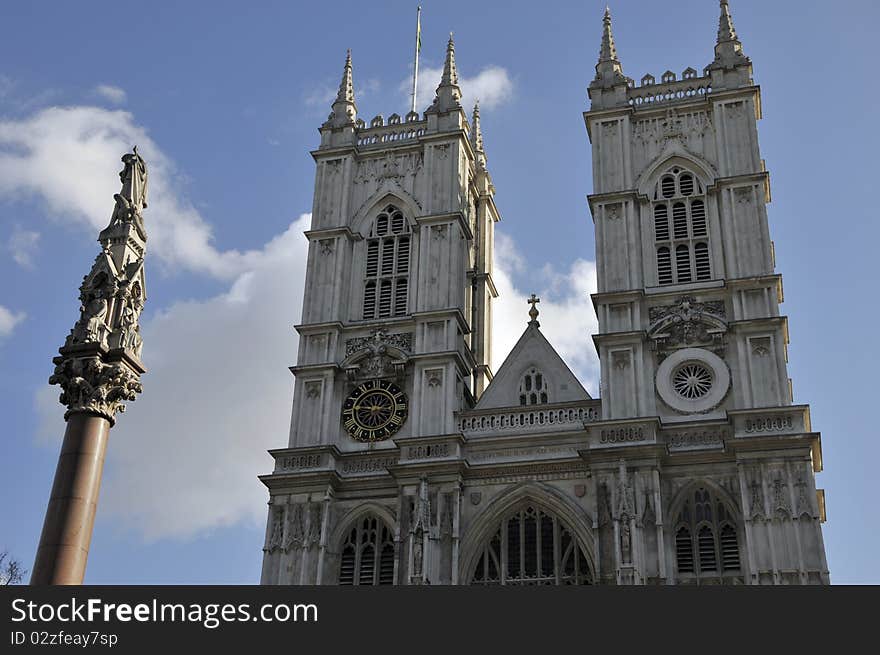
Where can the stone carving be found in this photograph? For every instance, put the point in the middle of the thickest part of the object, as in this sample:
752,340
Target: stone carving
624,493
388,167
313,389
446,518
604,502
756,499
625,541
614,211
400,340
133,196
295,535
804,506
419,527
781,500
434,377
438,232
376,362
761,347
580,490
620,359
476,497
743,195
688,323
326,246
91,386
649,517
314,534
277,530
99,365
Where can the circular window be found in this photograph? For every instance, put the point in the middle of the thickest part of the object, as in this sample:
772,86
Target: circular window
692,380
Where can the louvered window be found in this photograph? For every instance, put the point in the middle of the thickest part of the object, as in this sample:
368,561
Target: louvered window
386,274
661,223
532,547
684,550
683,263
706,542
701,261
679,198
367,556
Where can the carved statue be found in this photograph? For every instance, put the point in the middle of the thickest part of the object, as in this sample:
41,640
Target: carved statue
134,179
133,196
625,541
93,315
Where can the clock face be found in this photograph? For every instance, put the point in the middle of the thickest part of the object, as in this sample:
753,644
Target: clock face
374,411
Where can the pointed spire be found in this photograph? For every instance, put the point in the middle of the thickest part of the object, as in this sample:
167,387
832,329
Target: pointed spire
344,108
607,52
728,48
608,69
477,138
346,88
448,92
450,75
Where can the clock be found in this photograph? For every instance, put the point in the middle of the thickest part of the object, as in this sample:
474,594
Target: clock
374,411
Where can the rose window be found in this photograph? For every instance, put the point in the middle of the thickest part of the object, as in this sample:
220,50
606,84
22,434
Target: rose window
692,380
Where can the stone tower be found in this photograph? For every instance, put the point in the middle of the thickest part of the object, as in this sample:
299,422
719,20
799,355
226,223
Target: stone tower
410,463
394,339
692,344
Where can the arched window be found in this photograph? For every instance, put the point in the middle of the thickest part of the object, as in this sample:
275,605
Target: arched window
681,196
532,547
706,543
533,388
367,556
386,275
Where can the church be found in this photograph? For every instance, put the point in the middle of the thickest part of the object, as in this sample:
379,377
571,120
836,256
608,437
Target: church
411,462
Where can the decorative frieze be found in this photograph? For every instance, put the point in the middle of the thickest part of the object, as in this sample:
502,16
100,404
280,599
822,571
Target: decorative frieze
700,439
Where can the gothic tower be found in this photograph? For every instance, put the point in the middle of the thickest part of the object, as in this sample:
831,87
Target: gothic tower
409,462
394,338
692,345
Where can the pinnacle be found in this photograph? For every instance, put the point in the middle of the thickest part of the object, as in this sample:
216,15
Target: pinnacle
346,88
450,75
608,70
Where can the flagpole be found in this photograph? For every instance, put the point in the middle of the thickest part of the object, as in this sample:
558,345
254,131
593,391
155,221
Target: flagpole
418,47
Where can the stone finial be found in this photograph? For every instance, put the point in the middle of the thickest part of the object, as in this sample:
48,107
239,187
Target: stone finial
99,368
728,48
477,138
344,108
448,92
608,70
533,311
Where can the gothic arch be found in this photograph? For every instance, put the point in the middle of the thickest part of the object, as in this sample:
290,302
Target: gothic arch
387,194
545,497
675,155
687,491
354,515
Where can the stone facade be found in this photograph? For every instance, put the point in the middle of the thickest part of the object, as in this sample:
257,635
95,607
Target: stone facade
693,468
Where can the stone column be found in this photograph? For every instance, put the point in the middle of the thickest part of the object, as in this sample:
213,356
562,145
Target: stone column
98,369
67,528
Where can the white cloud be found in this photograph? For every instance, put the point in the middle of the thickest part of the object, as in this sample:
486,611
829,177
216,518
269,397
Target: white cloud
185,456
566,312
70,156
8,321
491,86
22,245
112,94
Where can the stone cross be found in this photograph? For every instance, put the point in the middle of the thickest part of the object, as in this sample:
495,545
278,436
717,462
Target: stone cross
533,312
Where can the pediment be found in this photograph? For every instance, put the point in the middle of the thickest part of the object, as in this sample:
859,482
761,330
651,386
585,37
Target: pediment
532,351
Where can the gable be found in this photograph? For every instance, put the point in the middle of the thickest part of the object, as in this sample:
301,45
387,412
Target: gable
532,351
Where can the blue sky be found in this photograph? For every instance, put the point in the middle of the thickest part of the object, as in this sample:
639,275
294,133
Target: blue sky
224,100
